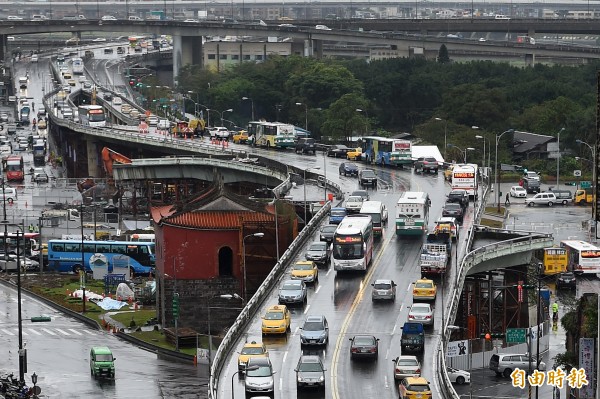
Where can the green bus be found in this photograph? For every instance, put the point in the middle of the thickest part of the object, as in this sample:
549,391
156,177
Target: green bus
412,213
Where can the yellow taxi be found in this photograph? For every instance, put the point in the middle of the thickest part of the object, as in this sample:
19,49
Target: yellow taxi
448,173
240,137
251,349
354,154
61,95
305,270
424,290
71,82
414,388
276,320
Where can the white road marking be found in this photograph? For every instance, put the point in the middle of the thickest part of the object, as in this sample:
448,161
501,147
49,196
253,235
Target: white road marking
7,332
34,331
306,310
62,332
317,290
48,331
22,332
329,271
387,353
285,356
89,332
386,381
296,330
408,288
75,331
281,383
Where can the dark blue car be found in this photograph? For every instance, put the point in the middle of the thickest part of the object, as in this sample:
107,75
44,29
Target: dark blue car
348,168
336,215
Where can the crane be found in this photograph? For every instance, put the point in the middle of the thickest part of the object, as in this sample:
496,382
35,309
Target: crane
109,157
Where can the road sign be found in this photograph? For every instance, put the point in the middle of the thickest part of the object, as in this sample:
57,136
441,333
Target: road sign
585,184
577,173
516,335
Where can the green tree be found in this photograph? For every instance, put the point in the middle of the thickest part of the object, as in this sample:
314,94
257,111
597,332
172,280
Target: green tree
342,118
443,57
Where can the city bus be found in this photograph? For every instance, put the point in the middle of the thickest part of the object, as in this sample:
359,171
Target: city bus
353,243
143,237
28,242
582,257
465,177
77,66
554,260
14,168
385,151
412,213
273,134
64,256
92,115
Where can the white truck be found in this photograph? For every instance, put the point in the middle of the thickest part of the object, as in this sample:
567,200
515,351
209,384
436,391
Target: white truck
435,254
65,214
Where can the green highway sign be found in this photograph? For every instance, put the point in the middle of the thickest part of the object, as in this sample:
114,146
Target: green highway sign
516,335
585,184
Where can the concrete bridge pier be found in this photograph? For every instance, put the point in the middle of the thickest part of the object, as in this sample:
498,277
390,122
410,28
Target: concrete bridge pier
93,161
530,59
187,50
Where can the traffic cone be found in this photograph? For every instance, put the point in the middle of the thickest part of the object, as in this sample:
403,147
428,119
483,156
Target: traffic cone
108,327
114,329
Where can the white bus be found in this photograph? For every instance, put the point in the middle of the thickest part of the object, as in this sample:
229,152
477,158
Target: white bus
582,257
92,115
465,177
77,65
378,213
273,134
353,243
412,213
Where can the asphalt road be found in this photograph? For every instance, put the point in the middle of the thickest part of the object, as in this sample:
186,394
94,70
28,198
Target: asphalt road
58,352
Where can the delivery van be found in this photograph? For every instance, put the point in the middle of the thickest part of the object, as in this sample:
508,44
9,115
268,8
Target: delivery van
102,362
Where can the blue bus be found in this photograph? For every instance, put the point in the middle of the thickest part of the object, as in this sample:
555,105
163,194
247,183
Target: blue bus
64,256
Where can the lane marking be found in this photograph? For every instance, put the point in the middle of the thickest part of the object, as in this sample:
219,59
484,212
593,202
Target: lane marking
7,332
22,331
34,331
329,271
75,331
318,289
62,332
48,331
284,356
89,332
296,330
306,310
281,383
341,337
387,385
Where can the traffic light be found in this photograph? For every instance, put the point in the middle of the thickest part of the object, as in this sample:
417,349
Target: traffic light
489,336
176,305
528,286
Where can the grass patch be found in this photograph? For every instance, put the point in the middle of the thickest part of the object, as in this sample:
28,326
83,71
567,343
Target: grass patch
493,210
158,338
491,223
140,317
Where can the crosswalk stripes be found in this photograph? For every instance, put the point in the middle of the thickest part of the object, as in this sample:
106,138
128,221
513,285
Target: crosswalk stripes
56,332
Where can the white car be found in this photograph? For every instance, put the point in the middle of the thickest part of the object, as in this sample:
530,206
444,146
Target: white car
541,199
34,58
406,366
322,27
422,313
458,376
14,18
518,192
532,176
108,18
191,21
482,39
221,132
101,39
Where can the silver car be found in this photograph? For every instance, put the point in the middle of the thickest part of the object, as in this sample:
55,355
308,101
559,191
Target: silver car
259,376
422,313
292,291
354,203
406,366
383,290
310,372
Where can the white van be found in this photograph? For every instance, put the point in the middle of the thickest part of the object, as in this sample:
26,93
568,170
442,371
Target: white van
117,100
378,212
8,194
23,80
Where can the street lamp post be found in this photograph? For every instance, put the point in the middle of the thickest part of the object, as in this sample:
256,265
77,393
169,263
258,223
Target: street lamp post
251,368
499,193
252,104
260,235
558,167
222,112
224,296
464,152
305,115
445,134
22,351
304,184
366,119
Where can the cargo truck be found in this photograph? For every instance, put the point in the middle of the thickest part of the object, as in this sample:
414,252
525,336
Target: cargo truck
584,196
39,154
65,214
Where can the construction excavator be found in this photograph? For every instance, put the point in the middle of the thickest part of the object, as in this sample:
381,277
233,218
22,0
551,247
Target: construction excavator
90,189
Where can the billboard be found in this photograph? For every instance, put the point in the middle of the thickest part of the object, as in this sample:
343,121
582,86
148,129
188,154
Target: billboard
586,362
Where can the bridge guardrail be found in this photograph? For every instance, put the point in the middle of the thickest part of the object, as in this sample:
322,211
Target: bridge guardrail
476,256
255,302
